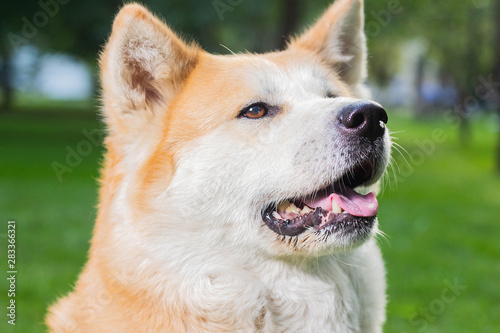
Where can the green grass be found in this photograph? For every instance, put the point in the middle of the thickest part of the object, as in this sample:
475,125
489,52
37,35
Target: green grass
54,219
441,218
442,222
36,103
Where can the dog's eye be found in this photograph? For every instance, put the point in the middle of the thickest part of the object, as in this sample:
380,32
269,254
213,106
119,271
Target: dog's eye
254,111
329,94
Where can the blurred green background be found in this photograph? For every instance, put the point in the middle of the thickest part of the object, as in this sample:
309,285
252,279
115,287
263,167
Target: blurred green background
434,65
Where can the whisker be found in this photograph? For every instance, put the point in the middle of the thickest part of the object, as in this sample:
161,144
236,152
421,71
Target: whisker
227,48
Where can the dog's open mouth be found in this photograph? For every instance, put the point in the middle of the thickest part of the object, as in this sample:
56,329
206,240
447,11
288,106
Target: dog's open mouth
337,207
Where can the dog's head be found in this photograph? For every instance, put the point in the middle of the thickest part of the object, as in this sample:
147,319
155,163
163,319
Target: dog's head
277,152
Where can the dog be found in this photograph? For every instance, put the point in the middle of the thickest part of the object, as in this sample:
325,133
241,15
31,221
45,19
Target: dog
238,191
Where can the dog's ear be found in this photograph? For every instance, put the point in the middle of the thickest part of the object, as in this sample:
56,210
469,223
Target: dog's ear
339,38
144,64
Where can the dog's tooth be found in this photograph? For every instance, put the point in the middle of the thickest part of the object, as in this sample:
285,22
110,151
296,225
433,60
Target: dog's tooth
336,208
306,209
292,209
283,206
277,216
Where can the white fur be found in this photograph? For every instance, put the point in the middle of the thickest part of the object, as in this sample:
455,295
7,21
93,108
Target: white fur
201,244
211,242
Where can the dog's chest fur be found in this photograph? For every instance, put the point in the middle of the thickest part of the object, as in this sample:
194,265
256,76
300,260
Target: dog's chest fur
340,293
334,294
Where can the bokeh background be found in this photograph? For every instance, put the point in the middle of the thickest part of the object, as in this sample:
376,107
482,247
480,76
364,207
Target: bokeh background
435,65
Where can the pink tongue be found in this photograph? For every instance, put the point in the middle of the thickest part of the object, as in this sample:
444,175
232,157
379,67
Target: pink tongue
352,202
357,204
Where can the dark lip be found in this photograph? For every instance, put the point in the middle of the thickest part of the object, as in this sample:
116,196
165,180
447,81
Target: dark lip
321,220
318,221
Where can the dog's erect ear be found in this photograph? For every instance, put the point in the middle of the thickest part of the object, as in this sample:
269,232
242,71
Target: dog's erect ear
142,67
339,38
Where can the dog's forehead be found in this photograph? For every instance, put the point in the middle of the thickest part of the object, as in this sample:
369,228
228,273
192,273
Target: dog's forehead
272,76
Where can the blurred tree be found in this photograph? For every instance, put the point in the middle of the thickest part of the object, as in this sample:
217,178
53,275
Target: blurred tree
459,35
290,18
12,18
457,32
5,73
80,28
450,27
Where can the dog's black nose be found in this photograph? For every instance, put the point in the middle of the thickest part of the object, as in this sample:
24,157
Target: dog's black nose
365,119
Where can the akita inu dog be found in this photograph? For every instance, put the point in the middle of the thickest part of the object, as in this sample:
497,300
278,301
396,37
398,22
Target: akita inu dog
237,191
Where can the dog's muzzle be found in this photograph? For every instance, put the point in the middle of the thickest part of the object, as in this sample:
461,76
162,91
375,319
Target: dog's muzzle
338,208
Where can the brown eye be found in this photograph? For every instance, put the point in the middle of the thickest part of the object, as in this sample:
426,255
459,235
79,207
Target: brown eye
254,111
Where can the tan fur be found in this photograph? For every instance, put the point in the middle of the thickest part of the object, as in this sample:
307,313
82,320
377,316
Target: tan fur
167,107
